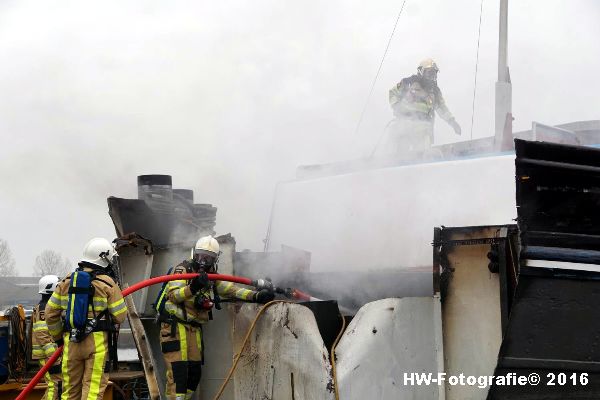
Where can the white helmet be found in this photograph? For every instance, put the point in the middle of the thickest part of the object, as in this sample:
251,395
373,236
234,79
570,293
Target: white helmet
98,251
47,284
206,246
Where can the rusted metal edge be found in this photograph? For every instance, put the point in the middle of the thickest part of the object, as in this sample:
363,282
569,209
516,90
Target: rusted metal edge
141,342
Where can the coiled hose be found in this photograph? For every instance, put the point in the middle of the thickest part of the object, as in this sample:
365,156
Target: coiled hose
17,357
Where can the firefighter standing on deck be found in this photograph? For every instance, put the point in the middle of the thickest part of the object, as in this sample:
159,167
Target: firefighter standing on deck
42,344
85,356
414,101
187,305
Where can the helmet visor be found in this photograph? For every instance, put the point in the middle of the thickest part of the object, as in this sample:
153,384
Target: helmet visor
205,259
110,257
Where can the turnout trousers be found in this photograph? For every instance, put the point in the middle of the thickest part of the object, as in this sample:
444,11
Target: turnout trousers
181,345
409,135
52,378
83,366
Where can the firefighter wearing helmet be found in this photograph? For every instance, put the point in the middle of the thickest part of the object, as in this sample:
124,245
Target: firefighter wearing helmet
188,305
42,344
93,307
414,101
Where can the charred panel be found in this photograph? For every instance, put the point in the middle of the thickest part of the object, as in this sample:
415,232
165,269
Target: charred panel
553,328
558,189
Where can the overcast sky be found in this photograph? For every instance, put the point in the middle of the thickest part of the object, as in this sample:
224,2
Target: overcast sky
229,97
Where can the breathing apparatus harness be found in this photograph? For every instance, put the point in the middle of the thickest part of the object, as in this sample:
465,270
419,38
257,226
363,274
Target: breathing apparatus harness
81,299
202,299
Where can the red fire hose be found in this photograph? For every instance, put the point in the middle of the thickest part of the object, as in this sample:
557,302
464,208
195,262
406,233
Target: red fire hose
126,292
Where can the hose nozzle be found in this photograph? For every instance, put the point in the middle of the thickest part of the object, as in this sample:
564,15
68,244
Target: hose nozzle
260,284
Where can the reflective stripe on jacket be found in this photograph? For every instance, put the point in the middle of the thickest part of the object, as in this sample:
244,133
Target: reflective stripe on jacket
42,344
107,294
180,300
410,99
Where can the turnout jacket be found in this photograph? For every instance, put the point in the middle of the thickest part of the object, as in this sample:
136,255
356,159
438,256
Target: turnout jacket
412,99
42,344
180,300
107,295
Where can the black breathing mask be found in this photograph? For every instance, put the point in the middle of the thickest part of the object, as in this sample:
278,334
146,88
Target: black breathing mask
204,262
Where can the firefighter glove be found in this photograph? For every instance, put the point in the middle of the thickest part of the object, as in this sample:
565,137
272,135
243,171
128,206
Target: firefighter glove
200,282
264,296
60,342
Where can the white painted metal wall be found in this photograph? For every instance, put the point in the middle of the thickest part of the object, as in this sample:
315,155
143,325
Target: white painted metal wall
384,218
471,317
286,358
385,340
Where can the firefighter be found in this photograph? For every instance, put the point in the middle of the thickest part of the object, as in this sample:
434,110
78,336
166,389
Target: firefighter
187,305
414,102
86,350
42,344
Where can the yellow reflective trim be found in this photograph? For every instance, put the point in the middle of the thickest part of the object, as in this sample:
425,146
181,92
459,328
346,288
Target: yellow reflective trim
51,387
160,300
98,368
98,308
173,309
64,370
51,384
116,303
49,349
118,310
72,299
40,326
38,353
117,307
55,329
183,341
121,311
180,294
54,305
245,294
199,340
100,303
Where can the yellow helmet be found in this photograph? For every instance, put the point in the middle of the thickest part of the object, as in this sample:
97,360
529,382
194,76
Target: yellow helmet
426,64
